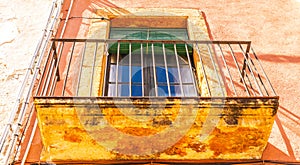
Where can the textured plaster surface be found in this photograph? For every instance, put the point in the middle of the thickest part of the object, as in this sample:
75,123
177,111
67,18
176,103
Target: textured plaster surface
272,26
21,27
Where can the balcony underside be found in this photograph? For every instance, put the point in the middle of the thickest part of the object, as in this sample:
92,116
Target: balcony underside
101,129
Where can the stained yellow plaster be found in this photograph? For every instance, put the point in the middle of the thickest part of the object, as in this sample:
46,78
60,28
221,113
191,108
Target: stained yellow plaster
120,129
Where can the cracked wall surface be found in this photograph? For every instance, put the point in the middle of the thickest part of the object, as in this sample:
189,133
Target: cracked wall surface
21,25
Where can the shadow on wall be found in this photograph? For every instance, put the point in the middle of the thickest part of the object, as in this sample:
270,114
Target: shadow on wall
77,13
279,58
272,152
288,119
265,57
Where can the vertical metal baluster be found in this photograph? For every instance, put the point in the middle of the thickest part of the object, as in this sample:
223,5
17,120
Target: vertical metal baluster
231,80
244,63
263,72
237,66
166,69
250,69
53,86
68,68
258,75
117,69
49,76
246,78
57,78
93,68
202,67
178,70
154,70
55,73
43,78
49,88
191,69
105,69
142,69
263,84
257,72
215,69
245,75
130,71
54,76
81,65
251,87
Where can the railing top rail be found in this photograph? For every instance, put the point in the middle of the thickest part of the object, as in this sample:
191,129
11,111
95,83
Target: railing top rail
154,41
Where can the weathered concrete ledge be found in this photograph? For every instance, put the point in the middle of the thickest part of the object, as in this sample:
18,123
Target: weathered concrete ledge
99,129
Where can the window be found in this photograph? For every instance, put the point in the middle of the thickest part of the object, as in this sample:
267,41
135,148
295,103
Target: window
150,69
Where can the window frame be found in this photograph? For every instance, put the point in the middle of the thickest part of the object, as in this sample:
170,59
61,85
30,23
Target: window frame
145,91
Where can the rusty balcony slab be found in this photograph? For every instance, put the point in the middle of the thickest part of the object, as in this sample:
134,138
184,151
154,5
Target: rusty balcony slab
97,129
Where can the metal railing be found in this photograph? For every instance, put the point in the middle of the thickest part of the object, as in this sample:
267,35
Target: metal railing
74,67
78,67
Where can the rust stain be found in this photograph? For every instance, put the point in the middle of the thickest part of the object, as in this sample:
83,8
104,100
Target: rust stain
73,135
136,131
238,141
67,128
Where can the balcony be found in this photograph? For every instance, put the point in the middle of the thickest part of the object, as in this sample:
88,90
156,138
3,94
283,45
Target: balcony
219,105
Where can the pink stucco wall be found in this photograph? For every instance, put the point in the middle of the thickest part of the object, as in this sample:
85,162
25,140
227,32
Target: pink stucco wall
273,28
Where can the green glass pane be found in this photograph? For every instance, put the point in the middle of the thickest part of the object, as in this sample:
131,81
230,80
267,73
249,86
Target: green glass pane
147,34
